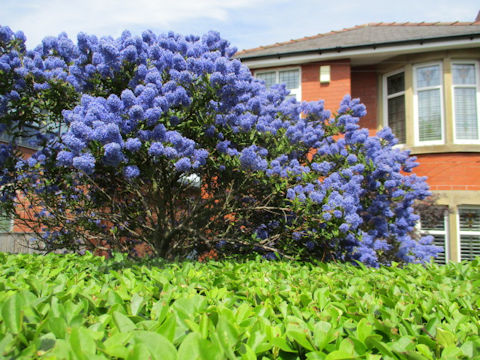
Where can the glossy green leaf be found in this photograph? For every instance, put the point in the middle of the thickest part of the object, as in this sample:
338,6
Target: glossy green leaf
12,313
82,343
122,322
445,338
157,345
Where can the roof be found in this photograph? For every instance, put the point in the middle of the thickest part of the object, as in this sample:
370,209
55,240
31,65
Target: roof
368,35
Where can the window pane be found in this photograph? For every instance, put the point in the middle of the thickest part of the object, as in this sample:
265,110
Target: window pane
428,76
27,140
429,115
469,247
434,221
439,240
395,83
5,223
469,219
464,74
466,122
291,78
268,77
396,117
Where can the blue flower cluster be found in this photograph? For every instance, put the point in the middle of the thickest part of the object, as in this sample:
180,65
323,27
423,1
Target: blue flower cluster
182,103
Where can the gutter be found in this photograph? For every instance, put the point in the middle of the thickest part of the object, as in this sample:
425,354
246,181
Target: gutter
374,46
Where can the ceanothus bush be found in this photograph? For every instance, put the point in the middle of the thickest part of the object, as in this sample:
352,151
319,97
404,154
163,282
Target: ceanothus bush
168,145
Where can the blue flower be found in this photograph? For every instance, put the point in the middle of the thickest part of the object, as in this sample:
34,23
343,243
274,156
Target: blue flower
183,165
131,171
156,149
113,154
85,163
133,144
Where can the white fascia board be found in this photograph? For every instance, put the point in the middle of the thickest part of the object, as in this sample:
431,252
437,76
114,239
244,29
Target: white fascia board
370,51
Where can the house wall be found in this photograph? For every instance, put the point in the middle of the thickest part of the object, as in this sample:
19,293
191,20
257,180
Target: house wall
332,93
364,86
451,171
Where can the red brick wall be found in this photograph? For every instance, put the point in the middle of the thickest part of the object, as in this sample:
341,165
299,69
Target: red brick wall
332,92
454,171
364,86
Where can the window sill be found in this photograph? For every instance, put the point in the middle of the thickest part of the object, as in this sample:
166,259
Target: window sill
444,148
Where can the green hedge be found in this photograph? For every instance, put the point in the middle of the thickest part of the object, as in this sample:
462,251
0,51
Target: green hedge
67,306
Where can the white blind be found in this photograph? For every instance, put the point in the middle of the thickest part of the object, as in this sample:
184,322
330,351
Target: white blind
465,101
436,227
429,115
429,102
469,233
466,122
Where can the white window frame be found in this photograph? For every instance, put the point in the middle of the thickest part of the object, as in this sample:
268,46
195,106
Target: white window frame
477,86
415,105
386,97
298,91
439,232
460,232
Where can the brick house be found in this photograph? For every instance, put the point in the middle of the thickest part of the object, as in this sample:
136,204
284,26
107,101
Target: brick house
422,80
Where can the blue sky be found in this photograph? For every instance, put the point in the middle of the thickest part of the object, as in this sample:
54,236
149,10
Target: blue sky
245,23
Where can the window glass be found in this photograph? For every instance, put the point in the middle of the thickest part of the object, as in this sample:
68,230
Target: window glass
436,226
469,233
428,76
470,247
395,83
429,115
5,223
466,122
291,78
396,105
465,102
464,74
270,78
396,117
470,219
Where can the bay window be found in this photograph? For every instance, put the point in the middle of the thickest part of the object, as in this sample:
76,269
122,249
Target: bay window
428,100
465,102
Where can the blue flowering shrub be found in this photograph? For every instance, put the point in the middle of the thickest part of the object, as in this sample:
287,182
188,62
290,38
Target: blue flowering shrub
166,143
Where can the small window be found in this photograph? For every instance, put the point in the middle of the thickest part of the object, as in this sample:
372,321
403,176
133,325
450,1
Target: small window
469,226
436,225
270,78
429,104
289,77
465,102
6,223
395,109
